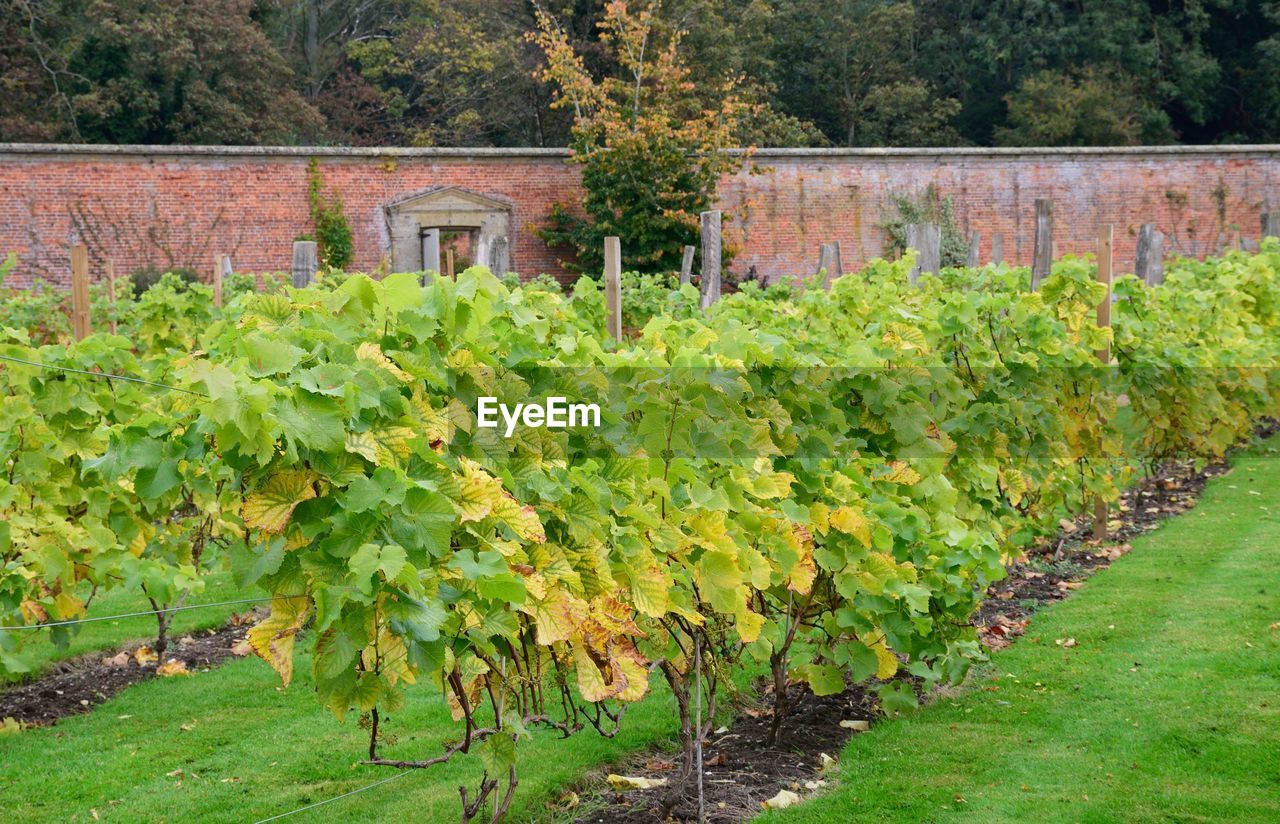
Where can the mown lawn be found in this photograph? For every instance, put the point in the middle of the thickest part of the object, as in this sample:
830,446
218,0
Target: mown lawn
106,635
1167,709
249,749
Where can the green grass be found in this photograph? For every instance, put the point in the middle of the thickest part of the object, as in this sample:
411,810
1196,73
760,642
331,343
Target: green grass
107,635
259,750
1167,710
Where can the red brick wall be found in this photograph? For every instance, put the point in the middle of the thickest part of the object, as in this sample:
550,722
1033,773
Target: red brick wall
179,206
1197,196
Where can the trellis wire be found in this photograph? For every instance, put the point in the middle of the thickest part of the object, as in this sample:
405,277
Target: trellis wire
150,612
336,797
107,375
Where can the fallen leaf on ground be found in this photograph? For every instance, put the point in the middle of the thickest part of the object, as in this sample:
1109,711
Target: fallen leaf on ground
145,655
1065,642
784,799
825,762
118,661
241,647
718,760
172,667
1067,526
1113,553
857,725
634,782
659,765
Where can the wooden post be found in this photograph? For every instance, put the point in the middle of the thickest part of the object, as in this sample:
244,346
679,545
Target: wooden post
448,262
111,292
613,286
1042,259
80,321
1271,224
997,247
305,263
926,239
710,257
1149,266
1157,259
686,266
829,262
915,240
1105,235
975,240
217,280
431,251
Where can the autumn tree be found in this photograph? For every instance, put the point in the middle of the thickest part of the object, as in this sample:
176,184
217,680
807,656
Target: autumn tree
652,153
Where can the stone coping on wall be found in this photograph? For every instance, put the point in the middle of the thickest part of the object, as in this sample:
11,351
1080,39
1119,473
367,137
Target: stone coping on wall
79,151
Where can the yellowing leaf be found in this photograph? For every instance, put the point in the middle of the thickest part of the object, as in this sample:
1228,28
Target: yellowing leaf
173,667
888,662
523,520
852,521
784,799
270,506
273,638
372,352
634,782
480,493
901,473
650,590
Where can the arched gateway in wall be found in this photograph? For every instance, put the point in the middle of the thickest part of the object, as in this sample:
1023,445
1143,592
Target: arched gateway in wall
424,226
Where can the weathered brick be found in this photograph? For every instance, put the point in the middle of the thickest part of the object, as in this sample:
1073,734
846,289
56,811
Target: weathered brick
178,206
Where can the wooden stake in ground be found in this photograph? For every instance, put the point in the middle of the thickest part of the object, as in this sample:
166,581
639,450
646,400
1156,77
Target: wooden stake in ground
829,262
448,261
1149,265
997,247
686,266
217,280
1271,224
1042,258
305,263
111,292
1100,509
710,257
926,239
975,240
80,321
613,286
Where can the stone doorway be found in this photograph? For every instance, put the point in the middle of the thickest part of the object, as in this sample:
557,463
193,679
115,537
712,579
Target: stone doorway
424,225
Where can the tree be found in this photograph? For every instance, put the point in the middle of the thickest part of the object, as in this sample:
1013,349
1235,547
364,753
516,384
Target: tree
851,68
148,71
652,153
1054,108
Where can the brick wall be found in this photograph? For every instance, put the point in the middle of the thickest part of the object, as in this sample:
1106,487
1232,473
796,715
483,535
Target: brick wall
178,206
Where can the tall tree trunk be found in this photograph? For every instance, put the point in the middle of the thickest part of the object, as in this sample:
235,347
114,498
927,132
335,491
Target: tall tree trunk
311,48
